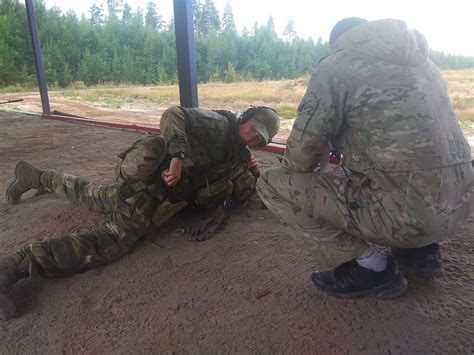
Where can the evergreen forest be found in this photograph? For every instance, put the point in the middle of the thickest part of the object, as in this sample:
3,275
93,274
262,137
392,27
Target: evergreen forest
115,44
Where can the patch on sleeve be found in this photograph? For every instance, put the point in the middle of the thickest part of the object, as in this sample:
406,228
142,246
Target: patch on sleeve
308,105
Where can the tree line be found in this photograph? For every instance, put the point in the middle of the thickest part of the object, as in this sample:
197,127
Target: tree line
115,44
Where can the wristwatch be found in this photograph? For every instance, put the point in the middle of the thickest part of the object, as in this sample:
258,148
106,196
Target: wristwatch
179,155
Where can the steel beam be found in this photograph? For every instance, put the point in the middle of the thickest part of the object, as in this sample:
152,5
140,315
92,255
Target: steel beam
186,53
30,11
272,147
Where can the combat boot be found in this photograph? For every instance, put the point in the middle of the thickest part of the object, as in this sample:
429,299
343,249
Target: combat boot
352,280
425,261
26,177
12,268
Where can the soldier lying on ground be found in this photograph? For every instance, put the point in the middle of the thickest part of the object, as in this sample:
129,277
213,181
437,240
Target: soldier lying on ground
408,179
201,161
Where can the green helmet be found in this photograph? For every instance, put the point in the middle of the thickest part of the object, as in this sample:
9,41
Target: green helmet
265,120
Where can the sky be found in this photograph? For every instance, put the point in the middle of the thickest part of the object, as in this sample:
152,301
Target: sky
447,25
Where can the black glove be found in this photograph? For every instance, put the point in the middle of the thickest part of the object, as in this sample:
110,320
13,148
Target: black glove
205,224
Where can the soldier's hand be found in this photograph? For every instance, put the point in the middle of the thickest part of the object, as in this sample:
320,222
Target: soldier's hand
172,175
252,164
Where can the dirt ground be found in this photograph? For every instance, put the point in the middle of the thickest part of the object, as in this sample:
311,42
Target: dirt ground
144,114
246,290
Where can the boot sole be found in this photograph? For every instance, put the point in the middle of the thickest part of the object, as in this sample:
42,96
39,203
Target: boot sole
389,290
392,289
13,185
7,308
429,273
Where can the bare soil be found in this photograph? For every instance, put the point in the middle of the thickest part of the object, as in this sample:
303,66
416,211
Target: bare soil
143,114
246,290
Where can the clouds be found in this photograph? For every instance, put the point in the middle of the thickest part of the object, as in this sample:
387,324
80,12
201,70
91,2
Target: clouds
447,26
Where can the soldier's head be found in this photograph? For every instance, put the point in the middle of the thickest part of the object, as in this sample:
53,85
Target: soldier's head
344,25
258,125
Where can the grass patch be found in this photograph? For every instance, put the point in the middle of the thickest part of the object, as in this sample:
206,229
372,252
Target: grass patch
91,97
118,96
466,115
286,111
113,102
460,76
272,93
462,103
68,93
17,88
283,95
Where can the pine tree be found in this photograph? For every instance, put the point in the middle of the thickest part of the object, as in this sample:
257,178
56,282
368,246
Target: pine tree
152,19
170,26
114,7
137,17
210,18
97,14
228,22
93,50
197,15
126,13
290,29
271,25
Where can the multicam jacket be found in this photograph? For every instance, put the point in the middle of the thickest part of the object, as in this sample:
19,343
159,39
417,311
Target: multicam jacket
215,158
207,138
380,101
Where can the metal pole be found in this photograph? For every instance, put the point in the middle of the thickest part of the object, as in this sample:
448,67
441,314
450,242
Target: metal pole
30,12
186,51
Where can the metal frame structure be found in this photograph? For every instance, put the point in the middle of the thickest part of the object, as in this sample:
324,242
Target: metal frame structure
187,69
32,23
185,48
186,53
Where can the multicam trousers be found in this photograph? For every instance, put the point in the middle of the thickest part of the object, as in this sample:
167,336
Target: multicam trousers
334,218
127,219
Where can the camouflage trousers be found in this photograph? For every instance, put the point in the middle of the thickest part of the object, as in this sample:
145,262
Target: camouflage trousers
334,218
128,217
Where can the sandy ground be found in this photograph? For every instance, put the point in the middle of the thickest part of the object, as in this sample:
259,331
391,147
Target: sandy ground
246,290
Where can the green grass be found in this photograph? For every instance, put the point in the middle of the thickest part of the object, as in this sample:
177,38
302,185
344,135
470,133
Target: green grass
68,93
17,88
462,103
286,111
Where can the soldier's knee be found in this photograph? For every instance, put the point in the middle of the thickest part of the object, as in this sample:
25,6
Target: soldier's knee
142,159
262,182
272,177
267,183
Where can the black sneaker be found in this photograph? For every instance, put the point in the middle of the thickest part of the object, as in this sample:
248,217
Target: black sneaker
426,261
352,280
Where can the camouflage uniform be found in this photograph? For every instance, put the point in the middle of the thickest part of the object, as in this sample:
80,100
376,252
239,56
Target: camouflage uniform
213,153
384,105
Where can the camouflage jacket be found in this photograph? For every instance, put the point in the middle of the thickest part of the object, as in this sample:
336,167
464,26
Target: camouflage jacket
208,139
380,101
